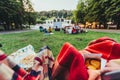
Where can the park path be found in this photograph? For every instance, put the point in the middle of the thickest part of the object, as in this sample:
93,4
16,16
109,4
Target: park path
96,30
17,31
105,30
33,27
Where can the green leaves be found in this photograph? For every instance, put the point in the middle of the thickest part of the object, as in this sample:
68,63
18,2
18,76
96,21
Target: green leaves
79,13
14,11
98,10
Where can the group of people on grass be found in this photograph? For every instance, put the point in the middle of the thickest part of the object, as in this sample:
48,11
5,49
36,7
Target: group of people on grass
69,64
67,29
45,30
73,29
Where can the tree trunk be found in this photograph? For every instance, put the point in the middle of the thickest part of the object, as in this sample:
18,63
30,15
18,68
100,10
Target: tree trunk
7,25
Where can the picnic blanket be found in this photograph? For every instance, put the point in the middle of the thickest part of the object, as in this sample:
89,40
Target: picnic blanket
47,63
24,57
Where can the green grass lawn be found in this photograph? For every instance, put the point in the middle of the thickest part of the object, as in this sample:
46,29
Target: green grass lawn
15,41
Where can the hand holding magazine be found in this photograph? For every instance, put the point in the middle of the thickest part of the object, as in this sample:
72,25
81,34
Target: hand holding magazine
112,70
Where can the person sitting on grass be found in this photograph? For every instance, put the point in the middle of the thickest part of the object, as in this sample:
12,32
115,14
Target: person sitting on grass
45,30
49,29
74,31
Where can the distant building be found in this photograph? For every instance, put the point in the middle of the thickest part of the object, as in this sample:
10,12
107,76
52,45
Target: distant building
58,22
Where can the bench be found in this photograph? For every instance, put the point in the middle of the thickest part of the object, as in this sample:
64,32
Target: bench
112,26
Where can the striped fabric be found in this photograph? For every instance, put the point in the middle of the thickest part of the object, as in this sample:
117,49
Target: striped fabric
19,73
48,62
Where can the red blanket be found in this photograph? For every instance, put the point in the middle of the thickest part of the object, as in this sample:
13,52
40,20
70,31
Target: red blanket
69,65
106,46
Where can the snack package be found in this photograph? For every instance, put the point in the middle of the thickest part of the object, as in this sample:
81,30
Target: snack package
93,63
103,63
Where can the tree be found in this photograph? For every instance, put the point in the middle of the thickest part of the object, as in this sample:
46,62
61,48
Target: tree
94,11
113,12
14,12
99,10
54,13
79,14
8,10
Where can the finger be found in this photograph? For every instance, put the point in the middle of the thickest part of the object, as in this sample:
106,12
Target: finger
109,69
99,78
93,55
93,74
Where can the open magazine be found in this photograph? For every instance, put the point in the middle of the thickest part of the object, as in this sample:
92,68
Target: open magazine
24,57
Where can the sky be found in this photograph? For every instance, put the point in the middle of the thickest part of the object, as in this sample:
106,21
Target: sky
47,5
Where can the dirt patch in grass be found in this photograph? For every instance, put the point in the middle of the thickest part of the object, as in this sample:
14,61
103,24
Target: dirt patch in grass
23,40
43,39
79,39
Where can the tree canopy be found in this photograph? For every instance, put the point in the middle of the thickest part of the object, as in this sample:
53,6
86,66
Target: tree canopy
98,11
43,15
14,13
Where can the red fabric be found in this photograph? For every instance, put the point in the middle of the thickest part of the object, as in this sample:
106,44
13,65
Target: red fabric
69,65
101,40
73,30
2,57
22,75
30,77
115,54
38,59
106,46
17,77
21,72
